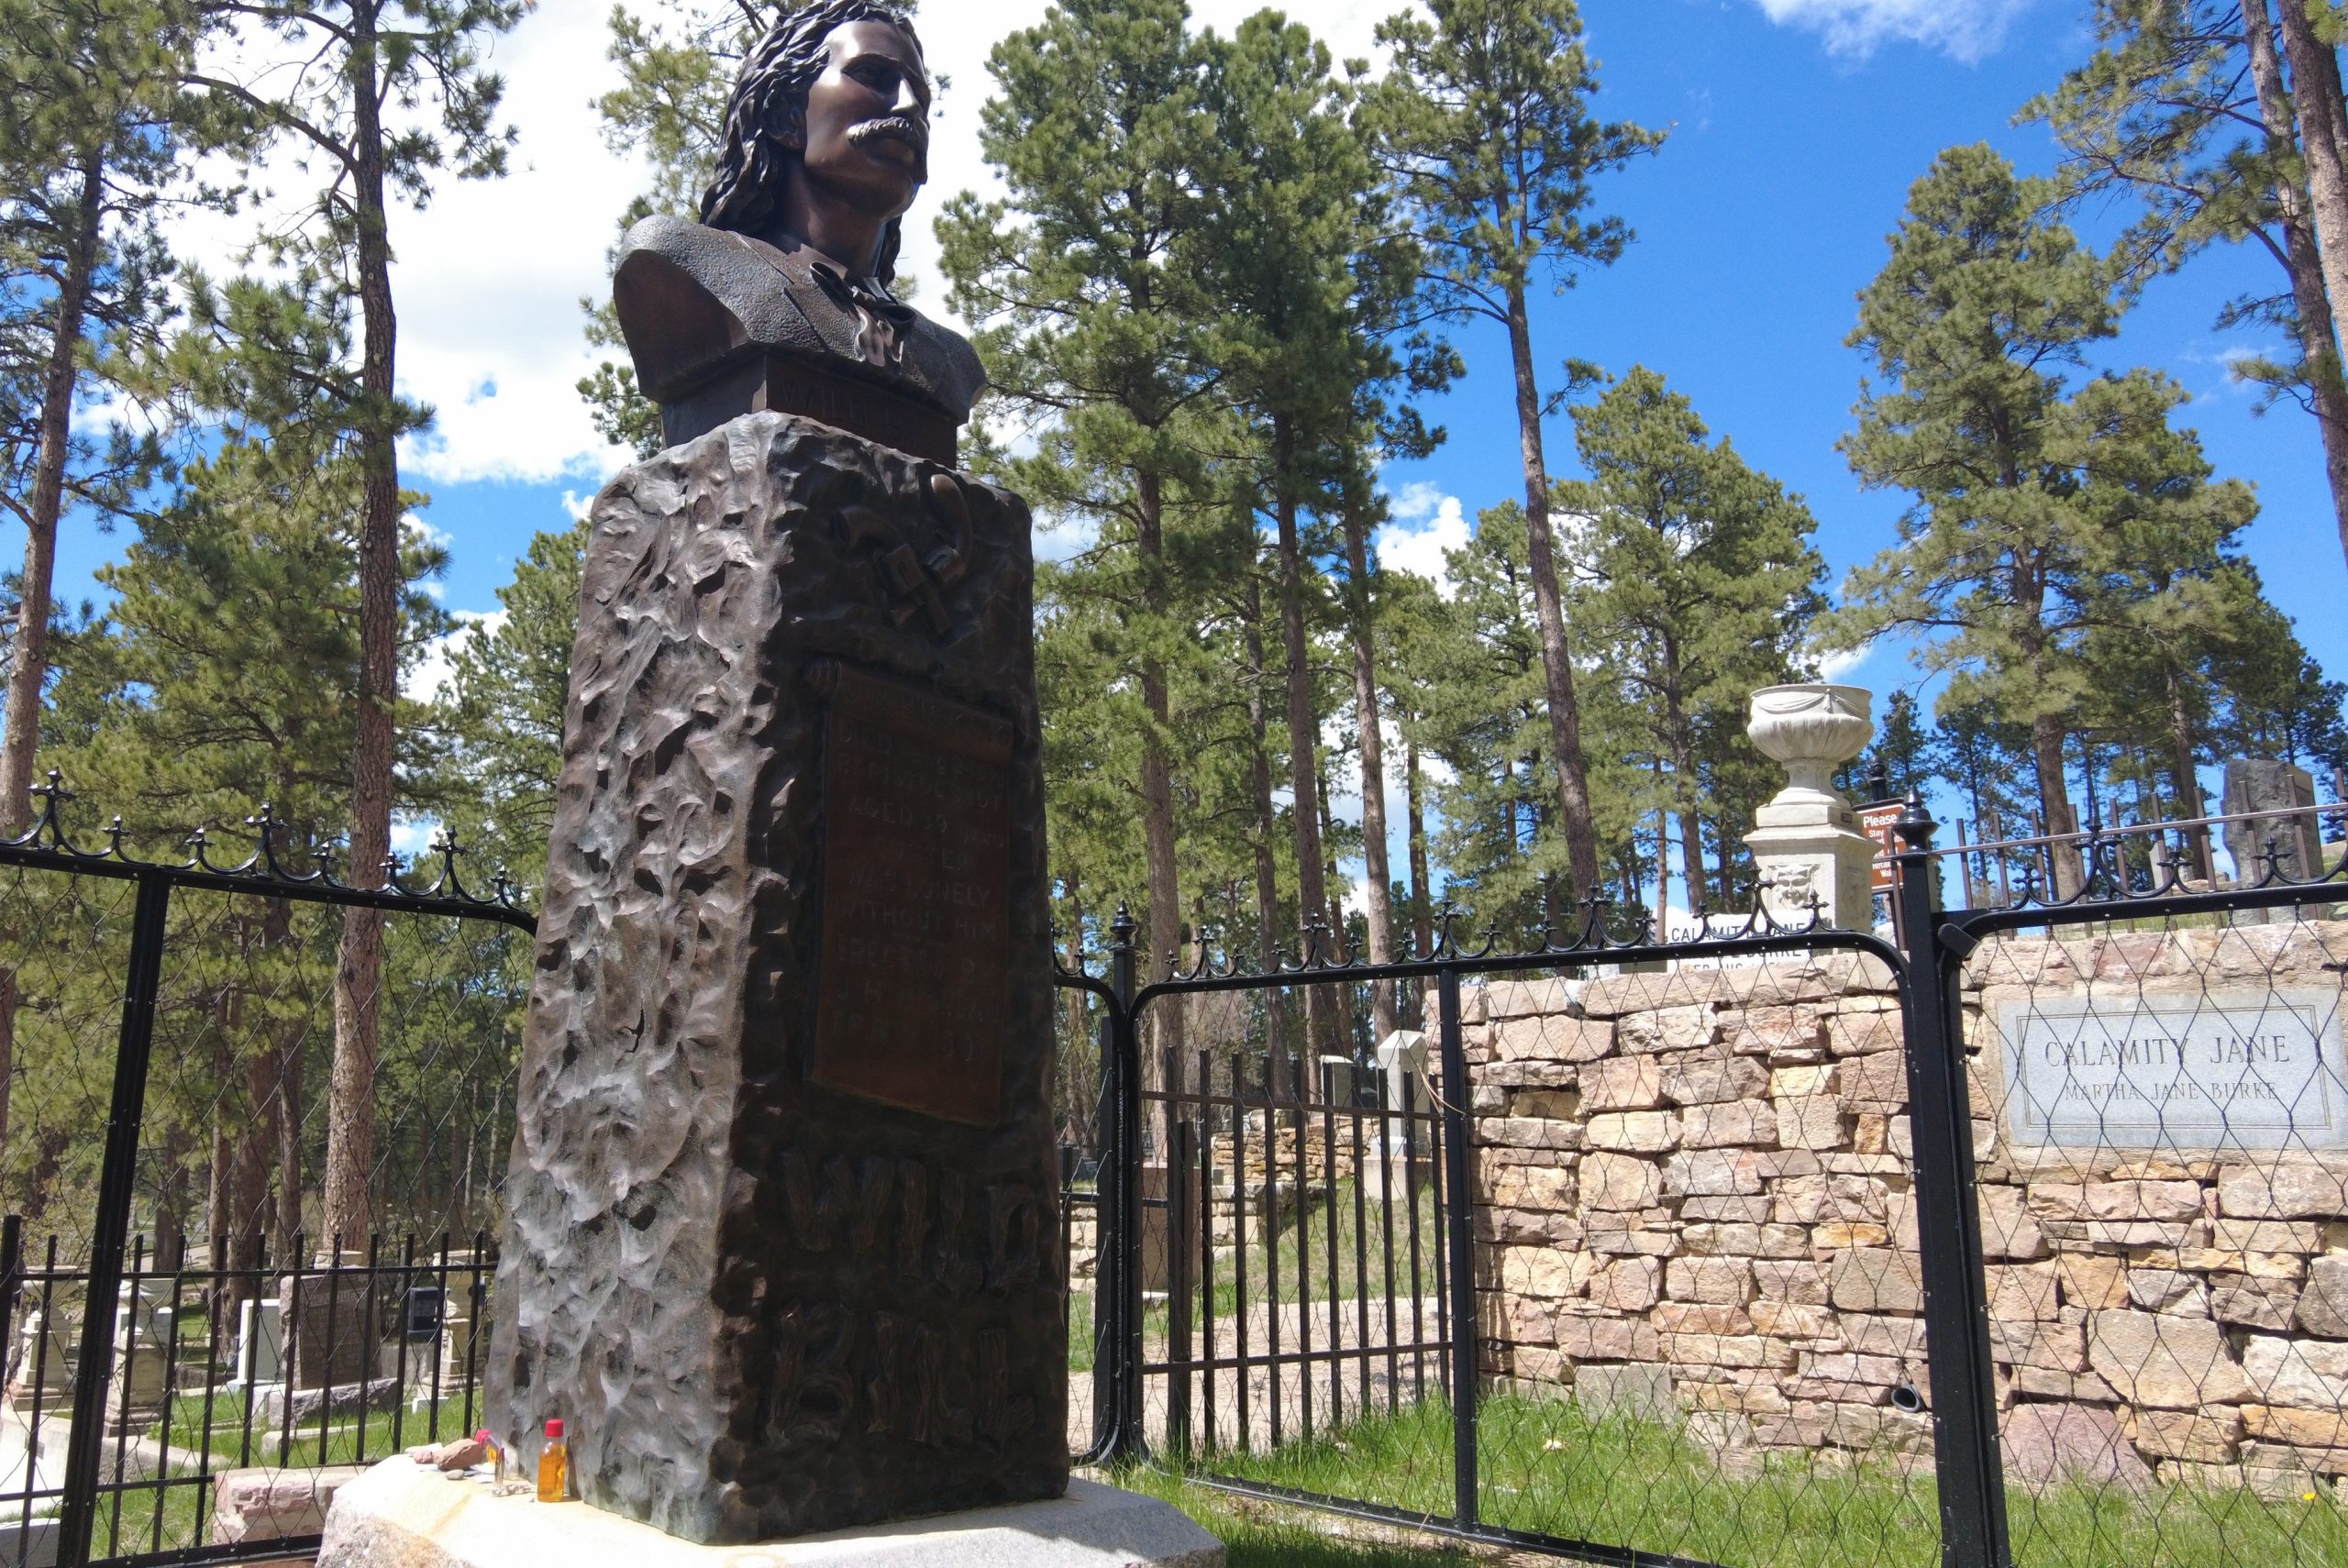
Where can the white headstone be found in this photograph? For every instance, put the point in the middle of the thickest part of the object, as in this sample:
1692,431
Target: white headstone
260,1343
2235,1069
1402,1057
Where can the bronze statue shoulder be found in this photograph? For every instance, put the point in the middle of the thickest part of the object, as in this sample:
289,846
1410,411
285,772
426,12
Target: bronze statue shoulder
695,302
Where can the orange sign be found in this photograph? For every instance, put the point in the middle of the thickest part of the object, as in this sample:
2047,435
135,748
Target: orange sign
1879,822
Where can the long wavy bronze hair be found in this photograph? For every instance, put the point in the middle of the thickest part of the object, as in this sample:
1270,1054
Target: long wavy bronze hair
765,120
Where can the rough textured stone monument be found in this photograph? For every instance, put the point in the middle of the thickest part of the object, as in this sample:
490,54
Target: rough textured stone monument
783,1249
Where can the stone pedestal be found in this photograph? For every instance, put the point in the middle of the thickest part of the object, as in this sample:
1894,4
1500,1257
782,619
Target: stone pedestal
44,1367
783,1252
1806,843
1402,1063
401,1514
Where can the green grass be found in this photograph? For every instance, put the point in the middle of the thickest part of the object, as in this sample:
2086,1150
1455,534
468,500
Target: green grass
1306,1239
1079,1330
338,1443
1545,1466
1268,1535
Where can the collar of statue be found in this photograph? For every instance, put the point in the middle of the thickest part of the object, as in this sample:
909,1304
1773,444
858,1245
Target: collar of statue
882,320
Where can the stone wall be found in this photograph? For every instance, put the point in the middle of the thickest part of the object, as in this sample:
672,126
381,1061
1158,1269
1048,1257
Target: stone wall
1694,1192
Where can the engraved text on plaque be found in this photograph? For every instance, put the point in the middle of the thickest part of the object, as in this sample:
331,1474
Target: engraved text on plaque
914,989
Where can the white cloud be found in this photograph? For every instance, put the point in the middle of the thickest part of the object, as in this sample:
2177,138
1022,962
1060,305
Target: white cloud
1418,551
411,836
489,274
1966,30
437,667
1836,663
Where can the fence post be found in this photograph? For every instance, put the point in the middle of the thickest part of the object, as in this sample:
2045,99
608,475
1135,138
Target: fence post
83,1446
1181,1141
1117,1342
12,1282
1948,1223
1459,1241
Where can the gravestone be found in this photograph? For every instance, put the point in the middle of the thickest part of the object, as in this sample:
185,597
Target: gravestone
42,1368
782,1249
2284,796
337,1325
260,1344
1406,1137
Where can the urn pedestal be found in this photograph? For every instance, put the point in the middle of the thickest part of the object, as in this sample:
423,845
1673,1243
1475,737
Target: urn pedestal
1806,842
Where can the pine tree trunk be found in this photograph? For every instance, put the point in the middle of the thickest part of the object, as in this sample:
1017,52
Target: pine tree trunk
1683,773
2188,784
357,990
60,378
29,672
1556,660
1377,891
2301,261
2054,804
1259,763
1304,732
1080,1084
1340,932
286,1120
2315,85
1157,815
1422,894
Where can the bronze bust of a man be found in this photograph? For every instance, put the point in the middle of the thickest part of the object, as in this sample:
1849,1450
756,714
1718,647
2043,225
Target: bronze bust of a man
779,298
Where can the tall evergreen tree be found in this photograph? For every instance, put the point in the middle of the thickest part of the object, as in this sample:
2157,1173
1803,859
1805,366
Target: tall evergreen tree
1971,324
1292,239
351,60
2187,107
96,126
1485,127
1705,581
1090,333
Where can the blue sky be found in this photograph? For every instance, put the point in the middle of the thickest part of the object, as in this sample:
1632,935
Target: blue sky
1797,126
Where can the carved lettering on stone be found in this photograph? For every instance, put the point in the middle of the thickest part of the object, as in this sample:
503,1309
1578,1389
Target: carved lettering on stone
2241,1069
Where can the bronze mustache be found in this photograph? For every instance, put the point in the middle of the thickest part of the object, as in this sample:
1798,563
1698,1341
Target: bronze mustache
892,127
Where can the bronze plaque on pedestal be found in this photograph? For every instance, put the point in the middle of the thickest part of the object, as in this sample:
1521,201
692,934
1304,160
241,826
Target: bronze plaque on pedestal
913,994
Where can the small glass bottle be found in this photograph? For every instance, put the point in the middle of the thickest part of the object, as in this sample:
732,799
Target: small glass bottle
554,1465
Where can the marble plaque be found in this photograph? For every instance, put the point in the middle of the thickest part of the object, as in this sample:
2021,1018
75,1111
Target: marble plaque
916,942
2250,1069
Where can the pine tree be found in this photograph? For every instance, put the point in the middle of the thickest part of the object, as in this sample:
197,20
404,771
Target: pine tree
1971,323
1097,130
96,123
1292,221
500,715
1484,125
2187,107
1704,581
363,55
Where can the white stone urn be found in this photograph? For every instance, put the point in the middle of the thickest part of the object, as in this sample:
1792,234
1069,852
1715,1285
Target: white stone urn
1812,729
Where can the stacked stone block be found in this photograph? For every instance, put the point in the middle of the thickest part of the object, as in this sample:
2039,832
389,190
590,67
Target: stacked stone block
1704,1176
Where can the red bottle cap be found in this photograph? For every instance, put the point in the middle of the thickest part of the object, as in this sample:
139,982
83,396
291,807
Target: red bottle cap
554,1428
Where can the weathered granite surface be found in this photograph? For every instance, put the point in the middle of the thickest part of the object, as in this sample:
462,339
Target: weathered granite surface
765,1307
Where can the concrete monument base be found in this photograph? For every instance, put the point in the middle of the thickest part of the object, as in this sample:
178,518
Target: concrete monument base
401,1514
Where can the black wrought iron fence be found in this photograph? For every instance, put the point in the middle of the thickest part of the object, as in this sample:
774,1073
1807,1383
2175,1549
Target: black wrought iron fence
190,1369
1772,1248
237,1398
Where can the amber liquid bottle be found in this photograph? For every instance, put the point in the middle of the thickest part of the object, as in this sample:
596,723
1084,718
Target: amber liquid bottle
554,1465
